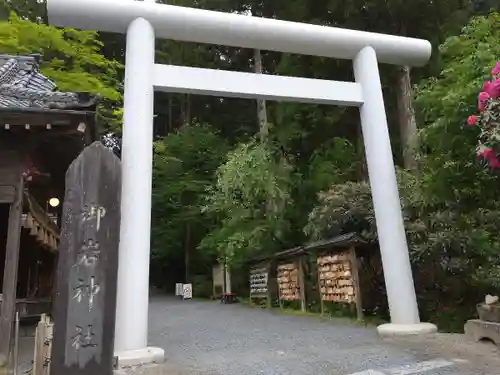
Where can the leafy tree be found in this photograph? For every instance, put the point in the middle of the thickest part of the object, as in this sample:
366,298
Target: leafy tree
250,197
33,10
69,57
488,118
451,210
445,102
453,251
258,198
332,163
184,165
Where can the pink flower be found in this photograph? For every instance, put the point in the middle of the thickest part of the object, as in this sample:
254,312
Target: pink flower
496,69
494,88
486,86
483,98
489,155
472,120
485,152
494,163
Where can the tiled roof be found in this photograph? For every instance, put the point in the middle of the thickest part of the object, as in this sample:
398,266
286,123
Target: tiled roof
23,86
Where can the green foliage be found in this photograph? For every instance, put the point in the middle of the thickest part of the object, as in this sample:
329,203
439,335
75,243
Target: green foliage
69,57
467,60
250,196
33,10
488,119
453,251
202,286
334,162
453,180
451,208
254,200
184,167
342,209
445,102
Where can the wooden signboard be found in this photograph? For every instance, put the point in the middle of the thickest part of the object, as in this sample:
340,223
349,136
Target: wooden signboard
179,289
187,291
338,279
85,303
291,283
43,347
259,283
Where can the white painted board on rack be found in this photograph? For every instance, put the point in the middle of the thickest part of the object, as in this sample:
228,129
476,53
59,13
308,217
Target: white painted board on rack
178,289
187,291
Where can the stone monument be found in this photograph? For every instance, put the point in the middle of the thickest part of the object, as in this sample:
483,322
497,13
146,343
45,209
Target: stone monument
488,325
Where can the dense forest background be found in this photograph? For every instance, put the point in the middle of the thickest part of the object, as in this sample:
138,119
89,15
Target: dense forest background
235,179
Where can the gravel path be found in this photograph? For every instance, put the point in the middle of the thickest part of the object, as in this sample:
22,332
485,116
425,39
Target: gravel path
208,338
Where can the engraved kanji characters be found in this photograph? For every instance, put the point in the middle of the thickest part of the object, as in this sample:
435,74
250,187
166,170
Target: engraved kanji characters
87,287
83,339
92,211
89,255
91,290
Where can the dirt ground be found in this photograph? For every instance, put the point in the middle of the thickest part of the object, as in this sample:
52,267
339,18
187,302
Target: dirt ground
480,356
207,338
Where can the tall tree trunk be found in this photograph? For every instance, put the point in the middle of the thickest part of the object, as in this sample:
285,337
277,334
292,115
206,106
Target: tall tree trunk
262,120
187,241
261,103
170,104
170,126
187,252
360,150
407,121
185,109
188,109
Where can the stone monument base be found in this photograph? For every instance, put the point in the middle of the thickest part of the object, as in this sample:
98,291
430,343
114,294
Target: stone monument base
478,330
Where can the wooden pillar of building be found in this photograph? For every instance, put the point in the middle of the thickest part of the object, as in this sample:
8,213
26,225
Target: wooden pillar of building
302,287
355,278
8,309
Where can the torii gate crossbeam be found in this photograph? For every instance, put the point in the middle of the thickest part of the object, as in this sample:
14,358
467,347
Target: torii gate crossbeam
145,21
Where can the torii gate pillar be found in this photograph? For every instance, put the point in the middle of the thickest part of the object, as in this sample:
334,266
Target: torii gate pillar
143,21
131,332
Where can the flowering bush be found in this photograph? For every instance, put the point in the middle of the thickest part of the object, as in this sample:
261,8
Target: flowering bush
488,119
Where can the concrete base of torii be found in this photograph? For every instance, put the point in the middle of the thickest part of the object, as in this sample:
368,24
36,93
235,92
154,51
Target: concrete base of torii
397,330
139,358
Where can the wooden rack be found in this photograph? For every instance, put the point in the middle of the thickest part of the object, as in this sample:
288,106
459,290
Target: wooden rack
338,279
259,283
291,282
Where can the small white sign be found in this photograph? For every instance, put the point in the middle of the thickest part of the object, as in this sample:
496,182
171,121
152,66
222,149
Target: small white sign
187,291
178,289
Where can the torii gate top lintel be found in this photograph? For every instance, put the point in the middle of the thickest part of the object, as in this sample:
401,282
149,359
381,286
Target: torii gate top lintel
204,26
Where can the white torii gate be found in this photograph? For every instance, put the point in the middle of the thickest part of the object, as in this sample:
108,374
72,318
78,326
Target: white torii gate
142,22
